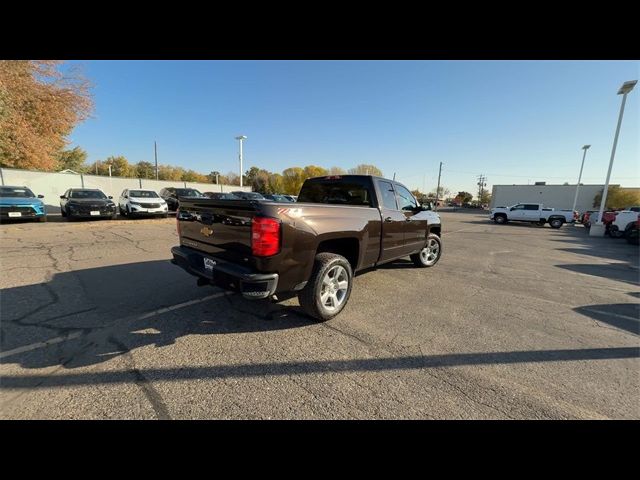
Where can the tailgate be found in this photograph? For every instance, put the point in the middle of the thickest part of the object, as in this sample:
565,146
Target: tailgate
221,227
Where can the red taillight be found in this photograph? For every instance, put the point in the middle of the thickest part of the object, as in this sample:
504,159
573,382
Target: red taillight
178,220
265,236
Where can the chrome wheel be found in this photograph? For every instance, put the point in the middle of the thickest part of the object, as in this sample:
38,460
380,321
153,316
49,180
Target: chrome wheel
430,253
334,288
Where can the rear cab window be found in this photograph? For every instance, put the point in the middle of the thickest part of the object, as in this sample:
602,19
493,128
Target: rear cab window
338,191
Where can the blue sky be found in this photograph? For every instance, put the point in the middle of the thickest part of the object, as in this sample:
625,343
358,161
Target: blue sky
516,122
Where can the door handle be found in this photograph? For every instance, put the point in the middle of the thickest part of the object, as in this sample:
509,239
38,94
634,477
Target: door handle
388,220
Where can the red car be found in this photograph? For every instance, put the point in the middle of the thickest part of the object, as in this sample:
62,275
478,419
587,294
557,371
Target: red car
607,218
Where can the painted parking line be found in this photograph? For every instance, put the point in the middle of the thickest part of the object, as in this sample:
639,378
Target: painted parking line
74,335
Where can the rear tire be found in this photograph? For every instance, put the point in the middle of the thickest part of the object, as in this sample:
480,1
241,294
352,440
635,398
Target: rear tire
42,219
329,288
616,233
500,219
430,254
555,222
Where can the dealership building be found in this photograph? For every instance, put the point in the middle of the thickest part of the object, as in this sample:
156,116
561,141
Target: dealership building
556,196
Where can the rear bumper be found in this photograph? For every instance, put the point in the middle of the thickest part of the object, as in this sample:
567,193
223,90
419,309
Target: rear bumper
230,276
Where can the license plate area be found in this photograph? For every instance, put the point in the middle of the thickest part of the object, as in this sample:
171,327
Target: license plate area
15,214
94,213
209,263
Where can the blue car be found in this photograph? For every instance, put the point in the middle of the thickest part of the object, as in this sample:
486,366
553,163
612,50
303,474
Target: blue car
20,203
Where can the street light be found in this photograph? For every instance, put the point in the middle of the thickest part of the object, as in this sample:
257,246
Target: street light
240,138
624,90
575,199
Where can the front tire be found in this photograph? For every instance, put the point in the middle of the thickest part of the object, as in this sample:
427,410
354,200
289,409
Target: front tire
328,290
500,219
430,254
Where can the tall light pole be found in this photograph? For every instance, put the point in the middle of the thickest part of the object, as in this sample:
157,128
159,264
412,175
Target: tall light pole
240,138
575,199
624,90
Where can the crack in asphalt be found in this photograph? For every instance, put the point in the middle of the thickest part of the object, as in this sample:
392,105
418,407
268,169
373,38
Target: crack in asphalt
153,396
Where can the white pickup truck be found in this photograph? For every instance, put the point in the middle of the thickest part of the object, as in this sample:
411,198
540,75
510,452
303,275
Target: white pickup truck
533,213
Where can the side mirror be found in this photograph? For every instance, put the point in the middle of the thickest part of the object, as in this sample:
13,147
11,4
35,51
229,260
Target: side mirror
40,196
126,196
512,209
110,196
63,197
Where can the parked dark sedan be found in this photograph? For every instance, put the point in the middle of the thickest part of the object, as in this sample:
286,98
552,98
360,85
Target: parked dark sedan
221,196
249,196
278,198
86,203
171,194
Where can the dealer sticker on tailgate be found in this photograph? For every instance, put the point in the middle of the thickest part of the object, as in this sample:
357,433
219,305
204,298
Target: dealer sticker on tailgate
209,263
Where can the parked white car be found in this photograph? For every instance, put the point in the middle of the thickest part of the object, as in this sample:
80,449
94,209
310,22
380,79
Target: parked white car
141,202
533,213
623,223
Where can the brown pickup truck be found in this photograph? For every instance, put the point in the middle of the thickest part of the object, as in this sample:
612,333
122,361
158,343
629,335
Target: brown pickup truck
312,247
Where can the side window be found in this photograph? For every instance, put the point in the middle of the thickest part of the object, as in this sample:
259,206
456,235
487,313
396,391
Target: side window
531,207
405,199
519,207
124,192
388,195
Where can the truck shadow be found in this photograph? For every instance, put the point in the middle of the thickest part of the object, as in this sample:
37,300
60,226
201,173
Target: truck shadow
102,309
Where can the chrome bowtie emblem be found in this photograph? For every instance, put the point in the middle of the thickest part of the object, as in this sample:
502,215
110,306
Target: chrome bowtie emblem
206,231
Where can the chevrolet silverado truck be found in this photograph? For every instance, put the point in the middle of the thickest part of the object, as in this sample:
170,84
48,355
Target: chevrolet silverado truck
312,248
532,212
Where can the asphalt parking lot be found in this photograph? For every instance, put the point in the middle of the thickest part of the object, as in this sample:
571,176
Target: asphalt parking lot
515,322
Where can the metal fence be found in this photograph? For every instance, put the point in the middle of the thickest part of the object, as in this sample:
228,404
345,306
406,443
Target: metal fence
52,185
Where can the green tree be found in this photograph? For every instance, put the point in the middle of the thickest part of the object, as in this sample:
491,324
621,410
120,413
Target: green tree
618,197
364,169
485,197
463,197
144,169
39,107
73,159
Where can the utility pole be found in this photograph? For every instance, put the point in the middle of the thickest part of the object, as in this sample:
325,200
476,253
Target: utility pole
240,138
155,150
438,187
481,184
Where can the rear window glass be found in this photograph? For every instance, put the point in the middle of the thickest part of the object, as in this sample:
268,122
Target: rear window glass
343,193
188,192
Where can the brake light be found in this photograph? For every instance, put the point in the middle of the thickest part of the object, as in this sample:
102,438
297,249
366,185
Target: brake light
178,220
265,236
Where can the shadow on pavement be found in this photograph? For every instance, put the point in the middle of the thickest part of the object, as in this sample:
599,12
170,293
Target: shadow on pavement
625,316
107,308
248,369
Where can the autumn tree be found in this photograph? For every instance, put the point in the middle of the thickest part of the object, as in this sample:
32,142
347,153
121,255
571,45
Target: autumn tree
231,178
311,171
292,179
276,183
364,169
337,171
39,107
441,192
73,159
618,197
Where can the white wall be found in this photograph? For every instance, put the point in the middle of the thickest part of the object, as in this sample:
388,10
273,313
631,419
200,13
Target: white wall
52,185
556,196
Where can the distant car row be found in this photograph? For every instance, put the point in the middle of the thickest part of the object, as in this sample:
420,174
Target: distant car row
618,223
22,203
